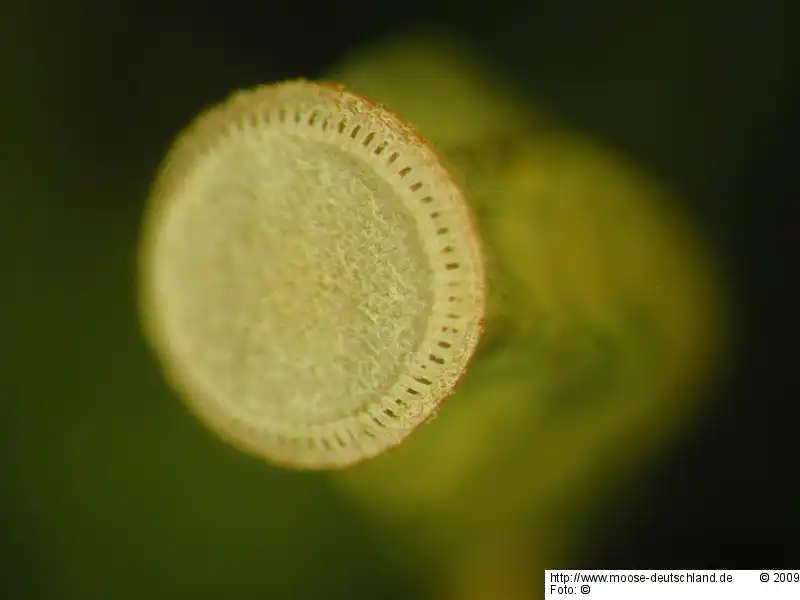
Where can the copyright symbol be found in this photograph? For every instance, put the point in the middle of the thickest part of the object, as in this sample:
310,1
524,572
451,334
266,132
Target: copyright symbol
585,589
764,577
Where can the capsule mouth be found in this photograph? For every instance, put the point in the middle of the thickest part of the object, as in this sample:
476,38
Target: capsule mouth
310,275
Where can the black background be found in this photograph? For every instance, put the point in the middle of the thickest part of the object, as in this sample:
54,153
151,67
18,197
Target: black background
703,94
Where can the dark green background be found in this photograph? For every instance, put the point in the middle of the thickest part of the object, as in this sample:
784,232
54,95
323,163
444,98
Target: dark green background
108,490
